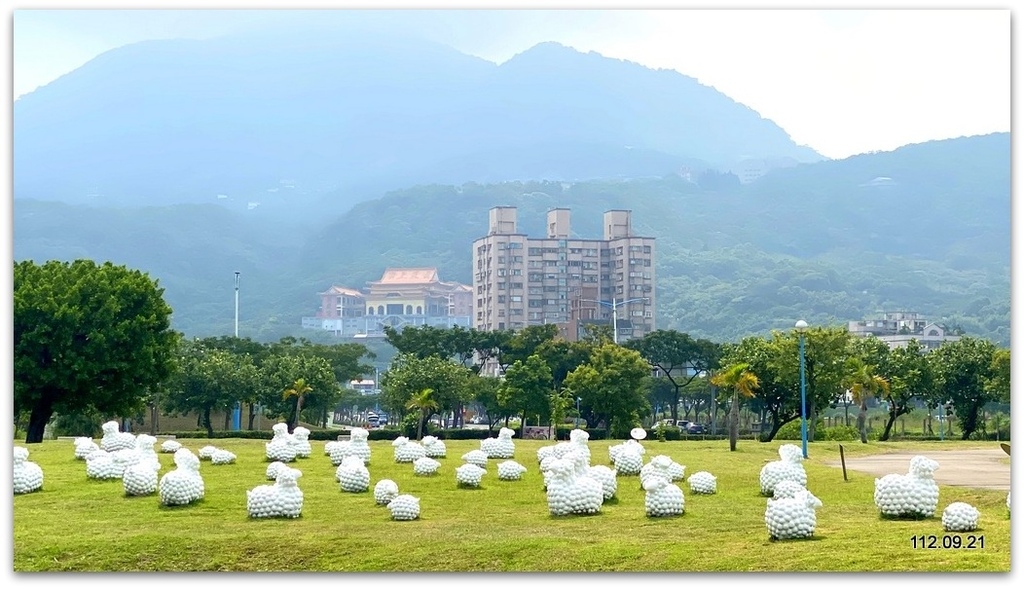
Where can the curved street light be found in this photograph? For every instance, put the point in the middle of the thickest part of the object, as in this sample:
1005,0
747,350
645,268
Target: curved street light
614,306
801,326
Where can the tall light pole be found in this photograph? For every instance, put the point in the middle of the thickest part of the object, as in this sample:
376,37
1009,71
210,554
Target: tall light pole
578,412
801,326
614,306
236,417
237,273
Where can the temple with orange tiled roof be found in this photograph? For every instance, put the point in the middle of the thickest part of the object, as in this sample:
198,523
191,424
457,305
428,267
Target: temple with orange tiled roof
402,296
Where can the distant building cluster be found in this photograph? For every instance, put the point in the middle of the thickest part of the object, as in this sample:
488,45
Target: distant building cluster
897,328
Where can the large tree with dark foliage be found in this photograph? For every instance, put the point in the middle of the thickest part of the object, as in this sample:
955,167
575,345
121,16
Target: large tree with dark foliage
86,337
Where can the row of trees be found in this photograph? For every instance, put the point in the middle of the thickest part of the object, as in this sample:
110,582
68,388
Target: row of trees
96,339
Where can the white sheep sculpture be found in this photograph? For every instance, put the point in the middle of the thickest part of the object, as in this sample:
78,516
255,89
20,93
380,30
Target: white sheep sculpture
280,447
477,457
791,513
170,446
406,450
580,438
510,470
358,444
385,491
469,475
100,465
84,447
662,466
568,494
425,466
27,475
141,478
282,499
599,472
352,475
500,447
663,498
114,439
404,508
913,495
629,459
273,469
960,517
703,483
434,447
789,467
222,456
206,452
300,440
184,484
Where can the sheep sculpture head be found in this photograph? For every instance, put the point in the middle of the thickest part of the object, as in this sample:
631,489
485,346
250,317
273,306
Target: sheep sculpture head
506,433
288,477
20,454
300,433
280,429
791,453
109,428
186,460
922,467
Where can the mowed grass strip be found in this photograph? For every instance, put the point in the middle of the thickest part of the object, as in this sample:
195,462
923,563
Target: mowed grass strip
78,524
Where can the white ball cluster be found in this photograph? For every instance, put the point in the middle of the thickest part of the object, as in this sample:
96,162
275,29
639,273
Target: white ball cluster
124,458
469,475
353,475
500,447
385,491
425,466
100,465
662,466
510,470
788,467
170,446
434,447
914,494
477,457
580,440
663,498
606,476
282,499
407,450
331,445
628,445
206,452
280,446
404,508
28,476
793,517
183,485
568,494
545,452
144,445
113,439
703,483
300,440
222,456
358,445
339,450
960,517
84,447
273,469
141,478
629,460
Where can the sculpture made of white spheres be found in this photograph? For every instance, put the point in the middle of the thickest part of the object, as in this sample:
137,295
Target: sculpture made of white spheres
629,460
114,439
469,475
385,491
630,445
477,457
170,446
27,475
914,495
663,497
407,450
84,447
434,447
184,484
404,508
282,499
339,450
662,466
545,469
331,445
788,467
206,452
568,494
510,470
141,478
100,465
144,445
352,475
425,466
791,517
580,460
960,517
273,469
280,446
580,439
124,458
545,452
358,444
703,483
222,456
500,447
300,440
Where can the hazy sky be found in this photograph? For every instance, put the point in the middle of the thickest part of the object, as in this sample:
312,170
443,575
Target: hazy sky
841,82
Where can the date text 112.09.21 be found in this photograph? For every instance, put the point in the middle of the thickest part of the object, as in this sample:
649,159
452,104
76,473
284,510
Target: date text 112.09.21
947,541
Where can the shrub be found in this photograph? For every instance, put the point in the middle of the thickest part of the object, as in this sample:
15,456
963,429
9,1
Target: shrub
839,433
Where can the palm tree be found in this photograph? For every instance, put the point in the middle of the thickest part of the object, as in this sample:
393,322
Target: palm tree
742,381
864,384
298,389
424,403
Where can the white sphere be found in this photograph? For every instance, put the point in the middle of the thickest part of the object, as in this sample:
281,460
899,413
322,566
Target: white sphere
170,446
469,475
424,466
404,508
510,470
477,457
960,517
385,491
221,456
703,483
28,476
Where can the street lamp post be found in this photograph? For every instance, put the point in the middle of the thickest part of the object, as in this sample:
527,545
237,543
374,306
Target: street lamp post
236,418
801,326
578,412
237,273
614,306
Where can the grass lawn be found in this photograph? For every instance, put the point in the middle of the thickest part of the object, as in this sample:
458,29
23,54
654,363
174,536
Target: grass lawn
78,524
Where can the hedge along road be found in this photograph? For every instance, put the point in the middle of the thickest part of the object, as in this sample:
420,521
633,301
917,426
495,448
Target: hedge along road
979,469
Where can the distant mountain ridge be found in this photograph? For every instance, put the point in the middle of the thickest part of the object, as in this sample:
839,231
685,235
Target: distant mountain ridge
300,122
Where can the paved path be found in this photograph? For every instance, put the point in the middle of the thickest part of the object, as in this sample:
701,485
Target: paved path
981,469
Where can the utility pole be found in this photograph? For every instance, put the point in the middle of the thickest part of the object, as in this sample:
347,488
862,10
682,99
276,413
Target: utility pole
237,273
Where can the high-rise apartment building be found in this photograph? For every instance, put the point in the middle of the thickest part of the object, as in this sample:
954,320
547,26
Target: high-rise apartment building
561,279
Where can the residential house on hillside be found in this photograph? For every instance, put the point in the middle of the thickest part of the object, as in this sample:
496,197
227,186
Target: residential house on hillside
897,328
402,296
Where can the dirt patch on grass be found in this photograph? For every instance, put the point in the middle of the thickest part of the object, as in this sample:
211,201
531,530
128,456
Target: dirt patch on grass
981,469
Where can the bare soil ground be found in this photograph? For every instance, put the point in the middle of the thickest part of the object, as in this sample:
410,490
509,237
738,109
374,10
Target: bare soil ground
981,469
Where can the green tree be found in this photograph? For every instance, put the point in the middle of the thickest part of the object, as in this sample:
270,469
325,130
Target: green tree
863,384
208,380
826,350
612,387
424,403
910,375
281,371
738,380
87,337
678,357
962,369
408,375
526,388
998,384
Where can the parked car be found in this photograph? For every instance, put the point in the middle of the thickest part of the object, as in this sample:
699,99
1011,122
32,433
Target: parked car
696,428
683,424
